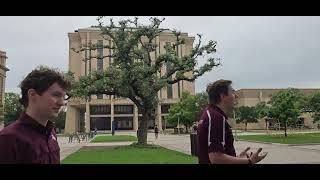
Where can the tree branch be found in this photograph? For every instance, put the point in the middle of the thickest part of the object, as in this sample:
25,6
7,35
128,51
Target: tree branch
96,57
196,73
106,29
135,101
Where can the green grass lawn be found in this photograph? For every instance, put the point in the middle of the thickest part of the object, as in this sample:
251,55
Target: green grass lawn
133,154
115,138
305,138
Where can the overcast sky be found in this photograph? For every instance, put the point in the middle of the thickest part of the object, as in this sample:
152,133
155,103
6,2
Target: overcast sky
256,52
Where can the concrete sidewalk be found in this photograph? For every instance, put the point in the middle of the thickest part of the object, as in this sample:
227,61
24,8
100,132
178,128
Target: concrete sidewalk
277,153
109,144
68,148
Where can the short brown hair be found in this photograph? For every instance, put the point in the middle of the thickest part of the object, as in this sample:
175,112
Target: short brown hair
40,79
217,88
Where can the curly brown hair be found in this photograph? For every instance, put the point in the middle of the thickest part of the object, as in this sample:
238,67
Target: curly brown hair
217,88
40,79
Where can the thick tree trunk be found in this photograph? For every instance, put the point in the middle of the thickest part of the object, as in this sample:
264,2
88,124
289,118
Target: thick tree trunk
246,126
267,126
143,130
285,129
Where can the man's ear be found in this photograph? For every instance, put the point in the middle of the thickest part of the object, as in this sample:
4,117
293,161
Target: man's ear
31,93
222,96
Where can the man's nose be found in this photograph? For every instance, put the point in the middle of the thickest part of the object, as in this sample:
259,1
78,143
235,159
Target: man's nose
60,102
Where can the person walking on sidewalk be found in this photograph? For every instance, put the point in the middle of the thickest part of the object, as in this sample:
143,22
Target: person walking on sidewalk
156,131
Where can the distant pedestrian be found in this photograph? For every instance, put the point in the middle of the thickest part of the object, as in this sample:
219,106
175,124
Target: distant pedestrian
156,131
194,127
95,131
114,126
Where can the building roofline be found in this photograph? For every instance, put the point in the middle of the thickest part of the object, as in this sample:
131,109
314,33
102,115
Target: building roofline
247,89
4,68
97,28
3,56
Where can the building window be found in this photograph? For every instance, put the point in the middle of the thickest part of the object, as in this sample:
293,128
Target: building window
85,60
96,110
101,123
123,109
168,67
90,58
100,56
124,123
169,86
169,91
165,108
99,96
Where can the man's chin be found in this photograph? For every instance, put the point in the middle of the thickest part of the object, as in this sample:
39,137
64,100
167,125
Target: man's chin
54,115
230,110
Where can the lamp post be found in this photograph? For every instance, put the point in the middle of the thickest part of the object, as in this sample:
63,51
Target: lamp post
178,126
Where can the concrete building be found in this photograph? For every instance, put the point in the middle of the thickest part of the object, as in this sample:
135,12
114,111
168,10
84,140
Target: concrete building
3,70
102,109
251,97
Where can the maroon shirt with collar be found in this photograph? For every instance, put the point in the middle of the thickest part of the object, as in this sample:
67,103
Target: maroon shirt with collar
27,141
214,134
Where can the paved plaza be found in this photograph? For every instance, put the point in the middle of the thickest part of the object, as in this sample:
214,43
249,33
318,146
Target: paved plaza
278,153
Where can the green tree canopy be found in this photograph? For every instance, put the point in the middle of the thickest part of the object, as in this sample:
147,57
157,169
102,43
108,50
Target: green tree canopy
135,72
262,109
246,114
12,108
187,110
286,106
313,105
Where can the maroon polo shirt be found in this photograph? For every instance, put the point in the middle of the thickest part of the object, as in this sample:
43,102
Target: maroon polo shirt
214,134
27,141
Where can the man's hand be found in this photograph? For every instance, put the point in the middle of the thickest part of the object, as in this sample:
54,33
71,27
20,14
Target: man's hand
255,157
245,153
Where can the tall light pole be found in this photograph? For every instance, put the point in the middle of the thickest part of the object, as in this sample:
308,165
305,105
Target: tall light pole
266,120
178,126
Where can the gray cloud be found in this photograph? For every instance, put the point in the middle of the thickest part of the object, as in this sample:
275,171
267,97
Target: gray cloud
256,52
